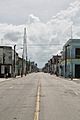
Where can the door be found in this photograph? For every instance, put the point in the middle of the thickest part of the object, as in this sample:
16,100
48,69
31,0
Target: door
77,71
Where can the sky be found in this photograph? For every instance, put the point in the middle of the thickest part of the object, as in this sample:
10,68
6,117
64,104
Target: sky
48,24
17,11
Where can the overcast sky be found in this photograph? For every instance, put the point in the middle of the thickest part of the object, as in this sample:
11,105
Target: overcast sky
48,22
17,11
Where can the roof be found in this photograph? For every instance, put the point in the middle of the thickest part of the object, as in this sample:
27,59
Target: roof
6,47
72,41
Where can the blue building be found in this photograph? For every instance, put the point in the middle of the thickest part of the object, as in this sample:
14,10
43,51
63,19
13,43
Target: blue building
70,62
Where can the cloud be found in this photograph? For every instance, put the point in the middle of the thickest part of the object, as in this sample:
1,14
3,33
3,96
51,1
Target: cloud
33,19
11,33
12,36
45,39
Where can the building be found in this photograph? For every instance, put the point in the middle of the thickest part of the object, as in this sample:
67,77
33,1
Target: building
55,63
52,65
70,62
7,65
5,61
45,68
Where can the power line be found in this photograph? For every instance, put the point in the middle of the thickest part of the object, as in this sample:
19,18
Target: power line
42,44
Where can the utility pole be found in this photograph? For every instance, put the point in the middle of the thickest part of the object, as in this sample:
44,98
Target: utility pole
14,60
65,61
25,50
29,66
22,65
26,66
57,71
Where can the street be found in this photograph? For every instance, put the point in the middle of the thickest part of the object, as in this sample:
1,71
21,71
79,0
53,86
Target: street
57,98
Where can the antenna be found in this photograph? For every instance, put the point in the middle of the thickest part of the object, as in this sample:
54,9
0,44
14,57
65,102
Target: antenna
71,33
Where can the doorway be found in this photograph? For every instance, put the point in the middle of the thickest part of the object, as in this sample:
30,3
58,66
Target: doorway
77,71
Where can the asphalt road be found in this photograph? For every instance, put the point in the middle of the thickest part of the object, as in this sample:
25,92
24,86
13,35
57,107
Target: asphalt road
59,99
17,98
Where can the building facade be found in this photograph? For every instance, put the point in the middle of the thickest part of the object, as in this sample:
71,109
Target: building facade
7,64
70,62
5,61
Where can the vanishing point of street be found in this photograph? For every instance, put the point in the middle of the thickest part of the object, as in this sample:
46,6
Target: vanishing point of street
56,99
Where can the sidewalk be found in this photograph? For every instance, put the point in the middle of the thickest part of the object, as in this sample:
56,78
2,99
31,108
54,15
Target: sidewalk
5,79
76,80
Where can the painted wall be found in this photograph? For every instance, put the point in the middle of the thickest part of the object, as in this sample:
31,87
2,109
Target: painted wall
71,60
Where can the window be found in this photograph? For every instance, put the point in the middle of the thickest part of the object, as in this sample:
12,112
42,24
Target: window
77,52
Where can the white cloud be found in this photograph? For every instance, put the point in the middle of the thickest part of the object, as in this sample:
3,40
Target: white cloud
33,19
45,39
